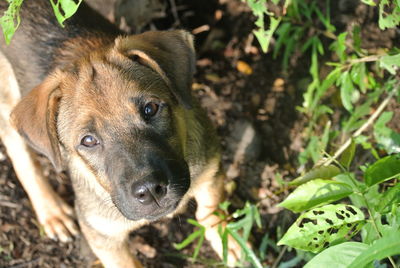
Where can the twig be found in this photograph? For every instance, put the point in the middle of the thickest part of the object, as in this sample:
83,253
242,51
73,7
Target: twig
369,122
279,257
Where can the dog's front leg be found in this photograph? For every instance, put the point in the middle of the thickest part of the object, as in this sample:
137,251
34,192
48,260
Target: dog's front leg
112,251
209,194
56,217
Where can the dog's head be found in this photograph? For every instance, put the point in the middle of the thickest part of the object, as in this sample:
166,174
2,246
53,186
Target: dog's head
120,112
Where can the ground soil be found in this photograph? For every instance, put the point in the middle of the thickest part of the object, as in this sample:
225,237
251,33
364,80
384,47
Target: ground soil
242,89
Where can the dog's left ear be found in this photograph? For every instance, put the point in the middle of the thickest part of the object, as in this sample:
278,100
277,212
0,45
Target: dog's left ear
35,118
170,53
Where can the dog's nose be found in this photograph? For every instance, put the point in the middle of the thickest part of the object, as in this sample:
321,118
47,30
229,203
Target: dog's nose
148,192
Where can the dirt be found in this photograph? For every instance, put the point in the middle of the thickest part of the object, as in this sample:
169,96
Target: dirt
252,103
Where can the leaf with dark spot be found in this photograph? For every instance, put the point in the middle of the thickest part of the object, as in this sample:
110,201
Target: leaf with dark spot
317,212
324,229
351,210
307,220
329,221
340,217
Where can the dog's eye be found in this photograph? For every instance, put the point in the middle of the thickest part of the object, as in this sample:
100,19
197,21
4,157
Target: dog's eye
89,141
150,109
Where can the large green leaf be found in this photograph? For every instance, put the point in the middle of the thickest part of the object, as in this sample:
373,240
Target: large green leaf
384,247
320,172
383,169
340,255
315,229
314,193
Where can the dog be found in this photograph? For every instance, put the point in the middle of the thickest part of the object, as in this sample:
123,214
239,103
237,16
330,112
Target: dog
116,112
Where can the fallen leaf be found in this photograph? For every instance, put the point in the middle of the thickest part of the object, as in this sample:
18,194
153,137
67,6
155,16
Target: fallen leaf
244,67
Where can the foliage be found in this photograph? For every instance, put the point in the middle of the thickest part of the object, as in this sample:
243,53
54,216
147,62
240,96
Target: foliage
9,22
359,79
304,26
238,230
316,229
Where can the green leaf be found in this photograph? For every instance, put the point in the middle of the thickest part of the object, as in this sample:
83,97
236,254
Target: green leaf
356,118
315,229
390,62
264,37
357,73
346,90
369,2
388,139
224,238
315,193
341,255
340,46
382,248
198,247
197,234
189,239
348,155
329,27
383,170
388,19
282,33
391,196
357,38
10,20
369,233
64,9
320,172
251,256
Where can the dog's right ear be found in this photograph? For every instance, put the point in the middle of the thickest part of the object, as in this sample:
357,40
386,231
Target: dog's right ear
35,118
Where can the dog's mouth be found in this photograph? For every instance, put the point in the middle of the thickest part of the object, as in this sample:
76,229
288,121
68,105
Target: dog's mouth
162,212
150,213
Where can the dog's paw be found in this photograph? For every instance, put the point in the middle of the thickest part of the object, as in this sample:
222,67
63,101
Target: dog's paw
57,219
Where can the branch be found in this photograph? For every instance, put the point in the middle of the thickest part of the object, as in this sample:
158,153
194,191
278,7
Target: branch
369,122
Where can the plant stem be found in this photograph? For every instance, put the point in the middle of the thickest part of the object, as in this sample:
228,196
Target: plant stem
279,257
369,122
366,204
376,226
365,59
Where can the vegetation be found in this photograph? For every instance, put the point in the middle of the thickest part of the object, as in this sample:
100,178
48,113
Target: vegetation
9,22
363,80
349,215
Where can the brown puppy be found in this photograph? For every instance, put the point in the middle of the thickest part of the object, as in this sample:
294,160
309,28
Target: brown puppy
116,112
